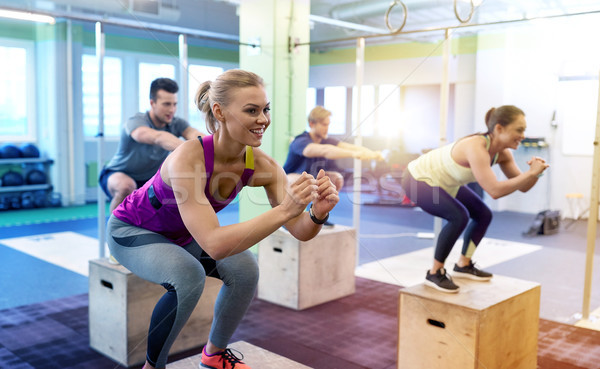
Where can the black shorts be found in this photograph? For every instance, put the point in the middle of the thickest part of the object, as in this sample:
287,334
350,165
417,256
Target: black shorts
103,181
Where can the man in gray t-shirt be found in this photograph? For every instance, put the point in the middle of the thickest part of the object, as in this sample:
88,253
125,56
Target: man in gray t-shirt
146,140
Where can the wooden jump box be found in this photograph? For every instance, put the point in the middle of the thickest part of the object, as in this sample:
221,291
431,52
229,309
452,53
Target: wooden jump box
254,357
299,274
486,325
120,307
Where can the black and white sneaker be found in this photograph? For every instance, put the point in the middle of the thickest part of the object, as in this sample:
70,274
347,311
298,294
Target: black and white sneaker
441,281
471,272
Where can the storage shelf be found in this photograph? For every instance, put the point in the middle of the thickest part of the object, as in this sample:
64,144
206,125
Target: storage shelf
25,188
26,161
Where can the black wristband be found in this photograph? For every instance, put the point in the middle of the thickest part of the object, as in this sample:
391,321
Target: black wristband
314,218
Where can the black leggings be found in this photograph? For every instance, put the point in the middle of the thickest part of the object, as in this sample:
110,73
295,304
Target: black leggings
455,210
182,271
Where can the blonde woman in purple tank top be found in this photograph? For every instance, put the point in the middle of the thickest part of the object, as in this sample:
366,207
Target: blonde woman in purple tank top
168,232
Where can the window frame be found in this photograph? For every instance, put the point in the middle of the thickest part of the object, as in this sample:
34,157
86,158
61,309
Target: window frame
131,96
143,98
368,120
122,60
30,81
335,118
199,123
581,144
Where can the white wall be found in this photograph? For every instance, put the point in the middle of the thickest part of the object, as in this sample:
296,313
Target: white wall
526,73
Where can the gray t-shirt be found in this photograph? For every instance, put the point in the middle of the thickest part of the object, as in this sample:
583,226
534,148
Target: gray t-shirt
140,161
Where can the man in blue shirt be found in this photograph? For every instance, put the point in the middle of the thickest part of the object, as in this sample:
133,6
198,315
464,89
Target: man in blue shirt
314,150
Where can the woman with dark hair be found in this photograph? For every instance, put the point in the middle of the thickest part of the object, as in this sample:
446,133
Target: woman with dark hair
437,183
167,232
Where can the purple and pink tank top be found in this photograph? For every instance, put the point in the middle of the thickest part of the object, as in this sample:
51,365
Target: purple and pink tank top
154,207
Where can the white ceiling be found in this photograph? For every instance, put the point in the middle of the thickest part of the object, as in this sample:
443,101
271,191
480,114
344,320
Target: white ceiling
219,16
428,14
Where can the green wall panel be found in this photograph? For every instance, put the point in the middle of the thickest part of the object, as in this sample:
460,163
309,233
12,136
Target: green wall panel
460,45
18,30
152,46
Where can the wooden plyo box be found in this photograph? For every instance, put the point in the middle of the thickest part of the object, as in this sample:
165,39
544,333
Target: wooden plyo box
299,274
120,307
486,325
254,357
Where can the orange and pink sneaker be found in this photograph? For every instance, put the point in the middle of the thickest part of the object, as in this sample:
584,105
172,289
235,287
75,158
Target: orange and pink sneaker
222,360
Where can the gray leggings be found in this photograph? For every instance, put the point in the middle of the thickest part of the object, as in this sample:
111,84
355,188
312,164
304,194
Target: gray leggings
182,271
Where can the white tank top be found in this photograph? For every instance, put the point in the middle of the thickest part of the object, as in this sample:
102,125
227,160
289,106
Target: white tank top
438,169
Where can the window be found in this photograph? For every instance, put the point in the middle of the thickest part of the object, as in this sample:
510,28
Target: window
421,116
388,111
112,95
311,99
199,74
577,93
577,109
15,95
368,111
335,101
148,72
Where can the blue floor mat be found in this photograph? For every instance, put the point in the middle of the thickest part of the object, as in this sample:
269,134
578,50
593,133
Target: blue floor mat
27,280
86,227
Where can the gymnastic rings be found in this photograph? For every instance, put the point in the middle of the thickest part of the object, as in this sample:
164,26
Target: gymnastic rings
387,16
458,15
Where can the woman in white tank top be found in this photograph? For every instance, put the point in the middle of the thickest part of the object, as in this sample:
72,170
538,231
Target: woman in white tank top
437,182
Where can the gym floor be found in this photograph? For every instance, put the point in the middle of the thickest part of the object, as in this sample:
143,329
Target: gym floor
44,284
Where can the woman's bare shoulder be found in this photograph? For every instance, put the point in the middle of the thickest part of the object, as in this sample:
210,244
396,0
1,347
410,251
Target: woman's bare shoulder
475,141
185,158
267,167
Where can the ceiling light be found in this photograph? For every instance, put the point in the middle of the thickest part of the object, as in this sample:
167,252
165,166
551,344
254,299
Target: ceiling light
12,14
344,24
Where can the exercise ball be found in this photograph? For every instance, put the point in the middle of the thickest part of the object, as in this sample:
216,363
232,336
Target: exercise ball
35,176
15,202
29,150
27,200
55,199
9,151
4,202
40,199
11,178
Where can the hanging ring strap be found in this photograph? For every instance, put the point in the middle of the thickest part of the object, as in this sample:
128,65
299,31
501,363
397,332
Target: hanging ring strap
387,16
458,15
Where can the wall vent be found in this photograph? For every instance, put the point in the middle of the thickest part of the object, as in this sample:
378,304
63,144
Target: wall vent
145,6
